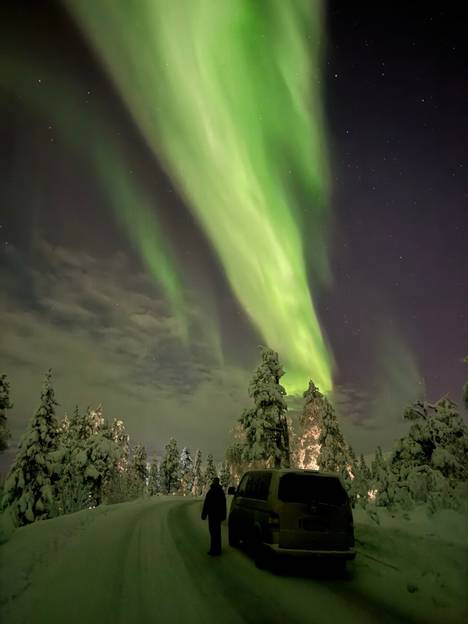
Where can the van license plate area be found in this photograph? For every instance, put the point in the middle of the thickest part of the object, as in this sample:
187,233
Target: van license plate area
312,524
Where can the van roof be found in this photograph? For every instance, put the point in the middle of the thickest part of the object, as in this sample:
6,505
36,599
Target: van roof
296,470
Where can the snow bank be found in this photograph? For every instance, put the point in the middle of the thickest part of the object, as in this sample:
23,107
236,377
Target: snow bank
32,547
414,561
7,526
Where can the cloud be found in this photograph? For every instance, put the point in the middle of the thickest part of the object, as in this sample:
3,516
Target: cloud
109,338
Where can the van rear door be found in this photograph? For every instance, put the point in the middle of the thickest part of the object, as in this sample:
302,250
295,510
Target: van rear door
315,513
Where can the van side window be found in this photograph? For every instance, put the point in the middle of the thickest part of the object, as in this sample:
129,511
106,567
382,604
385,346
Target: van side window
258,485
241,490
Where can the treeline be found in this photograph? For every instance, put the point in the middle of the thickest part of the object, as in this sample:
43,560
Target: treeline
83,461
428,465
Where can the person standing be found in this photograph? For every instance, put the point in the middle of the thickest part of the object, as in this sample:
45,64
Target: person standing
214,507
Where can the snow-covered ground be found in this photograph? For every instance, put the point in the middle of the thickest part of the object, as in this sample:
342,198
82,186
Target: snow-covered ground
418,563
146,561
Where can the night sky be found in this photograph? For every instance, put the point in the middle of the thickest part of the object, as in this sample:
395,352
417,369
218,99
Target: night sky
78,296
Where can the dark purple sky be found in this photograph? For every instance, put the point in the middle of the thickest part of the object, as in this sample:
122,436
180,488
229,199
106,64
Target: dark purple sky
396,314
398,115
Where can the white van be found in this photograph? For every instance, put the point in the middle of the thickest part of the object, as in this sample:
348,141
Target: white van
303,513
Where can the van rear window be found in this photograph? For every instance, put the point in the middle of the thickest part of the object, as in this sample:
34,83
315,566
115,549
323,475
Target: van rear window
303,488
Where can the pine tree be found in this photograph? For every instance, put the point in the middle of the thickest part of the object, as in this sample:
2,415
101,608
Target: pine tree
210,471
90,472
307,447
170,468
382,480
64,428
198,481
431,461
68,489
30,482
351,475
334,455
80,426
364,468
139,469
362,481
72,491
265,424
95,419
5,404
154,484
96,461
235,453
186,468
121,438
120,486
225,475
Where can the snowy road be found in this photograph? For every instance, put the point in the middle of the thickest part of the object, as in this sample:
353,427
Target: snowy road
147,562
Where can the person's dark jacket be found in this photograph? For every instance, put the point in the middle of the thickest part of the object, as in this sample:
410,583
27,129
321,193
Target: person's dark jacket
215,504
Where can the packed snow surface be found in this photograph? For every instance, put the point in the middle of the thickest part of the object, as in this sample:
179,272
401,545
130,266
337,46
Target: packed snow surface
146,561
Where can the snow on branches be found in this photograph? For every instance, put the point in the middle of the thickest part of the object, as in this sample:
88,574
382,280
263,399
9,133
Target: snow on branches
265,424
29,484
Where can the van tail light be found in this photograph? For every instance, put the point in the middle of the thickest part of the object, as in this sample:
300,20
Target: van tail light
274,521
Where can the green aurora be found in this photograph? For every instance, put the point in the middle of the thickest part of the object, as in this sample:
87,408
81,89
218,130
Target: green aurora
85,132
228,96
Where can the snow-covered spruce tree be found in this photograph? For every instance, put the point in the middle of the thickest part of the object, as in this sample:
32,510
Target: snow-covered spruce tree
362,481
64,428
170,468
235,453
265,424
29,484
364,469
122,439
351,475
210,471
139,470
95,419
235,460
383,490
80,427
69,491
307,429
431,461
72,490
198,478
225,475
186,471
96,461
92,460
5,404
120,486
154,484
333,455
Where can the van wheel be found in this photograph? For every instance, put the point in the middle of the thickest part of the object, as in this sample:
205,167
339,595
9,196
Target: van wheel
233,537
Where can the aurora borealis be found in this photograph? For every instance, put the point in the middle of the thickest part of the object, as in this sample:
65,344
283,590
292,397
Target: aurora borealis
228,95
131,206
178,190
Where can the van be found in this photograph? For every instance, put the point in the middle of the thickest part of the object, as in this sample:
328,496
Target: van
302,513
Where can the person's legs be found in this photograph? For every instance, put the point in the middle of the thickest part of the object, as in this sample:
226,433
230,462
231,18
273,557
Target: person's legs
215,534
